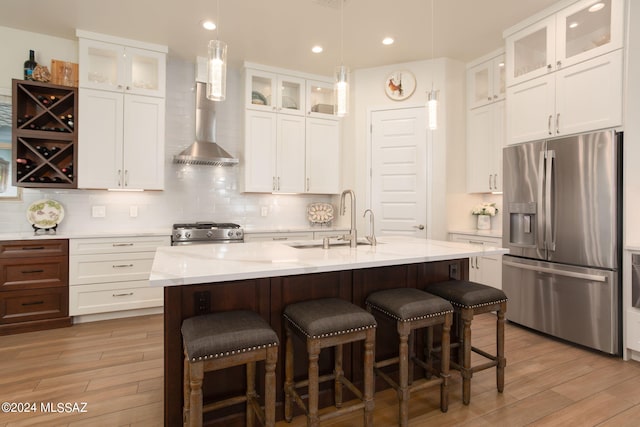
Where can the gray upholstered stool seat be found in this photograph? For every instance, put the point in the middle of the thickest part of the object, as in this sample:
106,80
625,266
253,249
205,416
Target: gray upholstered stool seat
321,323
413,309
222,340
468,299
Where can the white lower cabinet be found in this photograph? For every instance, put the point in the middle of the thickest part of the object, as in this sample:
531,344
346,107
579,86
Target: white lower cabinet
485,269
276,236
111,274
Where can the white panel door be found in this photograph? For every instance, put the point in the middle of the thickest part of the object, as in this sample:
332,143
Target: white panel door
399,171
531,110
260,151
290,161
100,139
323,156
144,142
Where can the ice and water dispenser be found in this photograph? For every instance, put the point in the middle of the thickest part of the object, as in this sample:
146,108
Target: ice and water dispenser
522,224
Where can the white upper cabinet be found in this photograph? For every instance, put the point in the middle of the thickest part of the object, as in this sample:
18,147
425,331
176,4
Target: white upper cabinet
581,31
292,139
268,91
486,82
320,100
119,68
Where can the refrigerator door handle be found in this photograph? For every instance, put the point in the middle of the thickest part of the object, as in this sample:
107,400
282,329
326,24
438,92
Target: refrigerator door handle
573,274
541,203
550,226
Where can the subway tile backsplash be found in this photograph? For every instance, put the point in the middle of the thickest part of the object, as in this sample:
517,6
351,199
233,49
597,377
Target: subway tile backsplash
192,193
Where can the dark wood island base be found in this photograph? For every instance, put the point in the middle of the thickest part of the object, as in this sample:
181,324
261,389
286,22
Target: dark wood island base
268,297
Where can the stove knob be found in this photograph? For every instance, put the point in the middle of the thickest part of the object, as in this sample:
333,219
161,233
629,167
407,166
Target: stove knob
209,233
230,233
178,235
187,234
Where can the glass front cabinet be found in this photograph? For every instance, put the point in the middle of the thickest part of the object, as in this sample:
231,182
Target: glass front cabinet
582,31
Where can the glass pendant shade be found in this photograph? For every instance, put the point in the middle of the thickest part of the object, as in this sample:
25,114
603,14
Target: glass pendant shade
341,91
217,71
432,109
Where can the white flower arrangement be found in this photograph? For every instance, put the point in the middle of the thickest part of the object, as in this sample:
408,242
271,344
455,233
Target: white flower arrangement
485,209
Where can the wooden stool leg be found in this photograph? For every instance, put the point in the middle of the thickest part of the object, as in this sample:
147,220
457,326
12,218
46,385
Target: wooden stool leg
313,348
195,384
500,347
270,387
411,352
186,391
338,373
444,363
251,392
403,368
466,317
288,382
369,380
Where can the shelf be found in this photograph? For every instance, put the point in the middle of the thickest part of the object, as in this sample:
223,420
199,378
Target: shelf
44,135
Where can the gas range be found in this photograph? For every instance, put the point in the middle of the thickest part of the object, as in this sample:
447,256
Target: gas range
206,232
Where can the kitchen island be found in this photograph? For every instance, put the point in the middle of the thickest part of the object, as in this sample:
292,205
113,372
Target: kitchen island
267,276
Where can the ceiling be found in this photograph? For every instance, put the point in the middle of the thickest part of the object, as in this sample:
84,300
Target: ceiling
282,32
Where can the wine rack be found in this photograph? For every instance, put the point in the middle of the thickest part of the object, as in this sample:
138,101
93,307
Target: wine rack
45,135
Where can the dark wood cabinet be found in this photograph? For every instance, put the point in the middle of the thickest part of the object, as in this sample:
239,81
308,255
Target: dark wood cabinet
44,135
34,285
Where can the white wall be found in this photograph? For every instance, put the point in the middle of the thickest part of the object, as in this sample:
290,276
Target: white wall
448,141
191,192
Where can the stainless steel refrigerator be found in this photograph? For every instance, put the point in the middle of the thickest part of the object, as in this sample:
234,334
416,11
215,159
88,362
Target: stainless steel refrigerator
562,224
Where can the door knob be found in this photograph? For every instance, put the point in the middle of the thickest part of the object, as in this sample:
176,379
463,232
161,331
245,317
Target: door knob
419,227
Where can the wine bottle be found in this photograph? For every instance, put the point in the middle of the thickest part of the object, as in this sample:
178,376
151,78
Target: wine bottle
24,161
29,65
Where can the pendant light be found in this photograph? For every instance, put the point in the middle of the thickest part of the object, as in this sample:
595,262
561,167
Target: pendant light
217,66
341,86
432,95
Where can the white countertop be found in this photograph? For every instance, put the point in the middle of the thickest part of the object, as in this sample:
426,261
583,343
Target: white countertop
185,265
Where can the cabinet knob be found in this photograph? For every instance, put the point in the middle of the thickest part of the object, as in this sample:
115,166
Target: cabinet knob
558,64
489,98
549,67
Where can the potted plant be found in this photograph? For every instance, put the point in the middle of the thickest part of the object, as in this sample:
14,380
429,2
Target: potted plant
484,212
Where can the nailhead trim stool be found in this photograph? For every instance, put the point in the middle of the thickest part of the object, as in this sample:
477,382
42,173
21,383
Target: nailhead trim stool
468,299
222,340
413,309
321,323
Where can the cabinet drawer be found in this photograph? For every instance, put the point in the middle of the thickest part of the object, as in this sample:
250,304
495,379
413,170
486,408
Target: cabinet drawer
33,273
479,240
38,304
85,269
33,248
276,237
110,245
107,297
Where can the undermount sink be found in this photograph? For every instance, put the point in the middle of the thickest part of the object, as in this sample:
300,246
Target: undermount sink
314,244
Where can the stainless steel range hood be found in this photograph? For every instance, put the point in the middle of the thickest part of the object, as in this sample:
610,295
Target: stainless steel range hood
205,150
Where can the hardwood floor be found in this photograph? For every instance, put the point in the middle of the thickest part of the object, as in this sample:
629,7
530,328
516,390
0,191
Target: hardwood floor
116,368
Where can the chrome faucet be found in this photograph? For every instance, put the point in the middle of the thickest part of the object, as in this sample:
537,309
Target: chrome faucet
352,237
372,237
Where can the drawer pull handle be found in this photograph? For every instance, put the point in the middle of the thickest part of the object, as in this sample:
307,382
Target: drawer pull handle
476,242
33,303
122,265
128,294
33,248
32,271
122,244
280,238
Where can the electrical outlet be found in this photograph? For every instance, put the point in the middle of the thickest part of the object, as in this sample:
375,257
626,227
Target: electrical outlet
454,272
98,211
264,210
133,211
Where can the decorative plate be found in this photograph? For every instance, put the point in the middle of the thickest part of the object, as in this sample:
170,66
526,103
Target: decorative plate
45,213
400,85
320,213
258,98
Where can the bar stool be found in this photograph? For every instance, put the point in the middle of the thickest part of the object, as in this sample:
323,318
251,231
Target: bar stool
413,309
321,323
468,299
222,340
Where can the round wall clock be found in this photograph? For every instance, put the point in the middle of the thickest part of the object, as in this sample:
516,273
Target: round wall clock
400,85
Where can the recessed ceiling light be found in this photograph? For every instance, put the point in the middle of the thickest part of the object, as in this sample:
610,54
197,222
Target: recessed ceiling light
208,25
316,49
596,7
387,41
573,25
